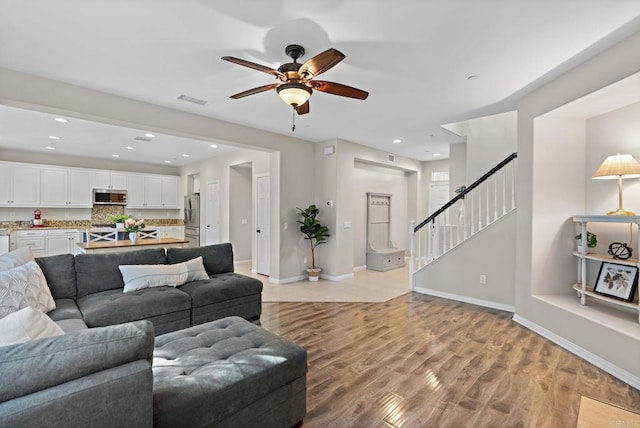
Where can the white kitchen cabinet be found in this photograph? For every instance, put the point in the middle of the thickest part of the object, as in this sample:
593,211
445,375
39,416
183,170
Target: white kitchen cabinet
62,241
66,187
144,191
109,180
172,232
34,239
170,192
19,185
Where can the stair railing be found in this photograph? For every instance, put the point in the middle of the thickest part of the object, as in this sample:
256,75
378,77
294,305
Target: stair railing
488,199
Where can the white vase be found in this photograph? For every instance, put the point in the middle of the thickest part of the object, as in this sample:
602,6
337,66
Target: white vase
132,237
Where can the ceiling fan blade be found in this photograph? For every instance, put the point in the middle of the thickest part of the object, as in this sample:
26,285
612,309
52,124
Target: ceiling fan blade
303,109
320,63
254,66
254,91
339,89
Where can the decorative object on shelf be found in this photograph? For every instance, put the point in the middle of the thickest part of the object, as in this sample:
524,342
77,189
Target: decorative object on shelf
617,281
315,232
618,166
592,240
119,220
133,226
620,250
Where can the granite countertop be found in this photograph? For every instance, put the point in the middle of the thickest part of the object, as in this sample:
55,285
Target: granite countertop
78,224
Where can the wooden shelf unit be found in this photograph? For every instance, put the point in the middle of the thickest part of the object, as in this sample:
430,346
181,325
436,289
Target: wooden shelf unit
582,288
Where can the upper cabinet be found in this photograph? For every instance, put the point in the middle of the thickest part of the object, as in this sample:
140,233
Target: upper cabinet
19,185
109,180
153,191
65,187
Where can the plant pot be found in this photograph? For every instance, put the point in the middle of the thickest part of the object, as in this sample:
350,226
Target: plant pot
119,226
132,237
314,274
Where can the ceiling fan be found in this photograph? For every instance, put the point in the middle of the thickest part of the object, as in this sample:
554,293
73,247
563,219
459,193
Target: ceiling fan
296,80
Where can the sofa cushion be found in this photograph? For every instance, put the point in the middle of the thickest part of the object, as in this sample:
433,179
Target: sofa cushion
27,324
15,258
217,258
204,374
65,309
24,286
221,287
99,272
114,306
60,272
137,277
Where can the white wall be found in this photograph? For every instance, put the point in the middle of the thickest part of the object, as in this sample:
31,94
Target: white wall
490,139
615,348
241,210
457,167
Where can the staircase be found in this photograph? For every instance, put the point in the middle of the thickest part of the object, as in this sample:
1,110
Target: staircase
475,208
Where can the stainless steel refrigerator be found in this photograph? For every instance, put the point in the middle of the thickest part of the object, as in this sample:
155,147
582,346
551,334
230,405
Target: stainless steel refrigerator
192,219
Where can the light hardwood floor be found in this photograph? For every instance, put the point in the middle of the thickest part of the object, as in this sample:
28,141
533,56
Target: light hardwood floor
420,361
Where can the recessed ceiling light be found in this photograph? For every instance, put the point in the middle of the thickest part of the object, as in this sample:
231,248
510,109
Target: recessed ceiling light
61,120
213,146
397,141
50,148
53,137
149,135
129,148
436,154
185,155
167,161
115,156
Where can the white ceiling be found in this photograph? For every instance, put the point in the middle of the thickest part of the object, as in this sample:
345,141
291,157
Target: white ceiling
413,56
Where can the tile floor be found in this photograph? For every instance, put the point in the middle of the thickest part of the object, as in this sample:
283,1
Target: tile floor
365,286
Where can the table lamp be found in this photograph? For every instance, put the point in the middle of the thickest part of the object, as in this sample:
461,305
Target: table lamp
618,166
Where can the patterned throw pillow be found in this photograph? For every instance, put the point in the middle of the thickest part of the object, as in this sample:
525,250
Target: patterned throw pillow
24,286
15,258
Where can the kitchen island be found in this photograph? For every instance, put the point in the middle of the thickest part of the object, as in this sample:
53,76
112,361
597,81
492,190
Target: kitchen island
126,245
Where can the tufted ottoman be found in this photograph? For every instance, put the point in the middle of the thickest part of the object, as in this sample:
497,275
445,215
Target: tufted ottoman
228,373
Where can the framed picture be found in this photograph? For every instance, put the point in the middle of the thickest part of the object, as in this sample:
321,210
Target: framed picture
617,281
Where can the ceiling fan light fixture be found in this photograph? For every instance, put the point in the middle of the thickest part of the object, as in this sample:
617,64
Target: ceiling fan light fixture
294,94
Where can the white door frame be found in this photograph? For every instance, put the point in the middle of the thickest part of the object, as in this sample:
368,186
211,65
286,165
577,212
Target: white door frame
262,224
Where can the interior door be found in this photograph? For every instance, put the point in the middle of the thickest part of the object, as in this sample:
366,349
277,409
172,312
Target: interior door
212,229
262,225
438,196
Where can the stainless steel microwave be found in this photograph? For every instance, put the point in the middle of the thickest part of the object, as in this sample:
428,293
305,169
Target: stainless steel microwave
109,197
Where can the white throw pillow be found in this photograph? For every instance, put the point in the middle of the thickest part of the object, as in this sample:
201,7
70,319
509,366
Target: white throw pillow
24,286
195,269
27,324
137,277
15,258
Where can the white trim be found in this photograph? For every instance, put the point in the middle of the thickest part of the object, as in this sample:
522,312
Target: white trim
236,262
336,278
459,298
287,280
594,359
357,268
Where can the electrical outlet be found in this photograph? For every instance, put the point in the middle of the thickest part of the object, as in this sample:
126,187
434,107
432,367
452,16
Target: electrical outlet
304,260
66,214
483,279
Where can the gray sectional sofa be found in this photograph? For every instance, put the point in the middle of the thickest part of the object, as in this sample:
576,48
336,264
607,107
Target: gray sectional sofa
183,356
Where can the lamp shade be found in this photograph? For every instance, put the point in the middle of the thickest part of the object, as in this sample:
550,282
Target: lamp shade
618,166
294,94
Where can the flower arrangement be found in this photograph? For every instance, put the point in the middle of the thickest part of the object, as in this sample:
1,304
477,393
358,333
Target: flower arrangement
133,225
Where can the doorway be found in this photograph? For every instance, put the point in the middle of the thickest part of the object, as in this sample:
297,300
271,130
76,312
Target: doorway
212,229
241,211
263,233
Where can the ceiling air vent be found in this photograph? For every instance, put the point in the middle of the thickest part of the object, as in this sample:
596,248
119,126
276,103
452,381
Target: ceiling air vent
391,158
147,139
193,100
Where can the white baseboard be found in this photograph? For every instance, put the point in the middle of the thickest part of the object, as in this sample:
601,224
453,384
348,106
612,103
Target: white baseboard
237,262
357,268
597,361
465,299
287,280
336,278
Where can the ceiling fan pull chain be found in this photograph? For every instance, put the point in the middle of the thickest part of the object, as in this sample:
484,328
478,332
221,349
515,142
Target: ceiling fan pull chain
293,119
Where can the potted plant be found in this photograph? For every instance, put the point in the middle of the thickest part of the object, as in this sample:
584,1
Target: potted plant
315,232
592,240
119,220
133,226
